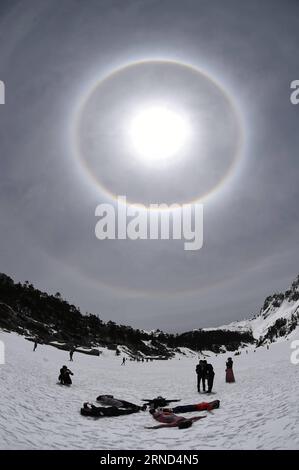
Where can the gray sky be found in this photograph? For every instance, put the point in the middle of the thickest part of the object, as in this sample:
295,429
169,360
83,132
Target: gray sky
51,55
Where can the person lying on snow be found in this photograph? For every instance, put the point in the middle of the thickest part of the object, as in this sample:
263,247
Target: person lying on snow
158,402
171,420
106,411
161,402
204,406
64,377
168,418
109,400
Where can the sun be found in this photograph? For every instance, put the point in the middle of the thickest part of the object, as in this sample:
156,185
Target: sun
158,133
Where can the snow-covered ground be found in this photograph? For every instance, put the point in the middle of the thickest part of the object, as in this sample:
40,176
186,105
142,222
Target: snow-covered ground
259,411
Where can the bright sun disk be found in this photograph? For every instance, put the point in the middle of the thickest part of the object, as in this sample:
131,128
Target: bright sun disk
158,133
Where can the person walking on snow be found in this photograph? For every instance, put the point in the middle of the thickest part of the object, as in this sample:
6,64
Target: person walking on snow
72,350
123,362
35,345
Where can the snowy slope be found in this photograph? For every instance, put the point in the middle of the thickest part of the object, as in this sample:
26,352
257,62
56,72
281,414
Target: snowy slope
259,411
278,306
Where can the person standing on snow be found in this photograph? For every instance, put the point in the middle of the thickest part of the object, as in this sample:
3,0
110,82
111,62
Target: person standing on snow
210,374
201,375
229,377
123,362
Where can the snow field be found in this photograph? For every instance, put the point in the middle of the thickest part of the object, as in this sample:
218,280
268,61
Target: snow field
259,411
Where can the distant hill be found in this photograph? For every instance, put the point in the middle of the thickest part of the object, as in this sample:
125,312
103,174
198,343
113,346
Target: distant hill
277,319
52,320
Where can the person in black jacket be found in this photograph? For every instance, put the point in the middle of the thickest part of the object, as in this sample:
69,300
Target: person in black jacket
65,376
72,350
210,374
201,375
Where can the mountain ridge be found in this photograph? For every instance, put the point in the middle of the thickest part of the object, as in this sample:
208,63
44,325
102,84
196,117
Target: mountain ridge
52,320
277,318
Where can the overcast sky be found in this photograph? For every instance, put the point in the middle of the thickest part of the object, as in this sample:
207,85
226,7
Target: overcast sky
51,55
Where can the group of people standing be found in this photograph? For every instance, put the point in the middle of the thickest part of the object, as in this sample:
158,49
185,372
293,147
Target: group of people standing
205,374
